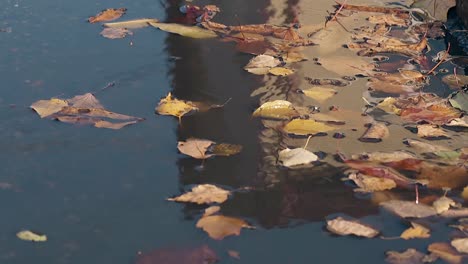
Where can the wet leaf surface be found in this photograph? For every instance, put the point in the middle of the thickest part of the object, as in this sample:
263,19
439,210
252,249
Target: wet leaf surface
186,31
305,127
115,33
295,157
203,194
344,227
409,256
131,24
278,109
31,236
218,226
406,209
371,184
195,148
445,252
416,231
460,244
376,132
108,15
320,94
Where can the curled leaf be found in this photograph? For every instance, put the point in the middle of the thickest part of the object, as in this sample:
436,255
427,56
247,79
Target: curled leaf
344,227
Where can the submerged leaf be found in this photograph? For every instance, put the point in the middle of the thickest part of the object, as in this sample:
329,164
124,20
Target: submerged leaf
219,226
203,194
195,148
416,231
225,149
445,252
30,236
295,157
409,256
115,33
409,209
375,133
108,15
186,31
320,94
344,227
305,127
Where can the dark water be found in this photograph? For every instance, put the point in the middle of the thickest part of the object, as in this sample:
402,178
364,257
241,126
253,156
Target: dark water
100,194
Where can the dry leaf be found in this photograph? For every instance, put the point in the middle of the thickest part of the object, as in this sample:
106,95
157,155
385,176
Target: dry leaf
431,131
175,107
443,204
305,127
108,15
409,209
344,227
115,33
460,244
45,108
295,157
131,24
195,148
203,194
445,252
375,133
409,256
278,109
219,226
186,31
87,100
416,231
30,236
280,71
371,184
320,94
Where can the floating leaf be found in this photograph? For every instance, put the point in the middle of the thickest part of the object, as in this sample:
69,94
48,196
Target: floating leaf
441,175
371,184
409,209
115,33
219,226
443,204
375,133
131,24
390,20
30,236
280,71
195,148
465,193
431,131
461,244
388,105
46,108
225,149
108,15
263,61
175,107
211,210
306,127
295,157
344,227
278,109
409,256
186,31
383,156
196,255
320,94
445,252
425,147
416,231
203,194
87,100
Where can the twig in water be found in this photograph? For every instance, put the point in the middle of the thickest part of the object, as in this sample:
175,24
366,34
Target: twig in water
417,193
307,142
441,60
337,12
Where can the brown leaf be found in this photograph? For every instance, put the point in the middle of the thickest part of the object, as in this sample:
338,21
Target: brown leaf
196,255
445,252
441,175
219,226
344,227
195,148
409,256
115,33
375,133
371,184
409,209
431,131
211,210
380,156
320,94
280,71
203,194
46,108
304,127
108,15
461,244
443,204
416,231
390,20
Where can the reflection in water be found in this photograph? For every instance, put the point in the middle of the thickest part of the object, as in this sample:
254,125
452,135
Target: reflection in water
210,70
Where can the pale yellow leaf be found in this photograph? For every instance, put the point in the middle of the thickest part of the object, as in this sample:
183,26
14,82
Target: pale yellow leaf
320,94
203,194
306,127
416,231
46,108
30,236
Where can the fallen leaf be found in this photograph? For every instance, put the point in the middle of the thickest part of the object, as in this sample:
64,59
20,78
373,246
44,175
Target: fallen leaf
375,133
111,125
219,226
458,122
347,65
225,149
460,244
455,81
46,108
409,256
191,255
280,71
211,210
408,209
295,157
87,100
416,231
175,107
203,194
115,33
443,204
431,131
195,148
263,61
186,31
374,9
383,157
30,236
388,105
108,15
371,184
320,94
441,175
131,24
278,109
344,227
425,147
305,127
445,252
234,254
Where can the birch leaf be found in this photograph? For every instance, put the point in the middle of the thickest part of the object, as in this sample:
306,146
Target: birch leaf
203,194
30,236
344,227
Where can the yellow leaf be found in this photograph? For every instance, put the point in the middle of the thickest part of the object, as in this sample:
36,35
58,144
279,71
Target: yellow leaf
219,226
175,107
388,105
203,194
30,236
195,148
46,108
278,109
131,24
280,71
416,231
320,94
186,31
306,127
